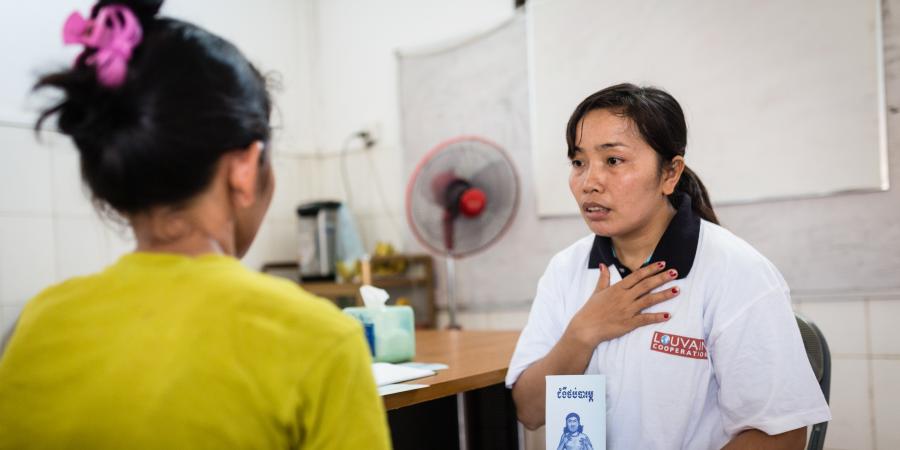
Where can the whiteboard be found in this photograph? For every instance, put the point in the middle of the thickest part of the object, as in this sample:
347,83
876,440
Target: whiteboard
783,99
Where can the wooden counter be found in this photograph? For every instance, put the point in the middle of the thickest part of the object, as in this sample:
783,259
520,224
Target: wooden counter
477,359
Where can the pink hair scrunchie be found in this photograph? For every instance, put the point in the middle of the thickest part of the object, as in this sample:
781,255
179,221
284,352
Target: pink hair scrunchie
114,33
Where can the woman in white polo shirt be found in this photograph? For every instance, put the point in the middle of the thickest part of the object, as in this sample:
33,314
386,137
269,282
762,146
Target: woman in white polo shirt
692,327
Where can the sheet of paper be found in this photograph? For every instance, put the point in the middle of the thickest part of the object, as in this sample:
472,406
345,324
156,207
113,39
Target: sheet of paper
399,387
576,412
386,373
424,365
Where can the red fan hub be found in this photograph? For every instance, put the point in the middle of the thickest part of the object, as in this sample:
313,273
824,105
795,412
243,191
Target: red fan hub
472,202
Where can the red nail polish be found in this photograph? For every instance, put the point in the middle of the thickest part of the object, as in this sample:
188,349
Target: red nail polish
673,273
665,315
661,264
674,290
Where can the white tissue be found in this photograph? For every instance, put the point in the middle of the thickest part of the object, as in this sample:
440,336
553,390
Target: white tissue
373,297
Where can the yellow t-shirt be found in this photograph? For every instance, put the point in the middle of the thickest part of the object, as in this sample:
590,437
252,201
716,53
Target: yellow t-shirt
169,352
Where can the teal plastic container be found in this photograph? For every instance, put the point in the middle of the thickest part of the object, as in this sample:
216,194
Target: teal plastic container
395,332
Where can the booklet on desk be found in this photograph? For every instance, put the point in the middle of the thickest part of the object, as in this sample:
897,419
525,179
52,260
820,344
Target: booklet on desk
389,389
386,373
576,412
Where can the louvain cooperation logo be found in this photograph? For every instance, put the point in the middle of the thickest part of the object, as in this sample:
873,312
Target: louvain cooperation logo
674,344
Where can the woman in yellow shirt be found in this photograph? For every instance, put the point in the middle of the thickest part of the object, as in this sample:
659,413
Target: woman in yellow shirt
177,345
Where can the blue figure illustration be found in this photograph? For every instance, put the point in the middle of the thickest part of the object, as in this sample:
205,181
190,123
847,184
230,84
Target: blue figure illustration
573,437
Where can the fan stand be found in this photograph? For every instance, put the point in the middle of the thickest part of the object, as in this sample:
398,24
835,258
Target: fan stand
449,264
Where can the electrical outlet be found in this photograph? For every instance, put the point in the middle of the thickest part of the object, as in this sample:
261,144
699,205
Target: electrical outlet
374,130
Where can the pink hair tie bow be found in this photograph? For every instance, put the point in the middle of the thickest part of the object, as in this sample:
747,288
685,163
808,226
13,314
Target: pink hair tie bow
113,33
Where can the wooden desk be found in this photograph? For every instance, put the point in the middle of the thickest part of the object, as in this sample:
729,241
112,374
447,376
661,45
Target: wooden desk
477,359
466,401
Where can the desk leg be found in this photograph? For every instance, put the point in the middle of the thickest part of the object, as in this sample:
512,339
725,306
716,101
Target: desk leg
462,414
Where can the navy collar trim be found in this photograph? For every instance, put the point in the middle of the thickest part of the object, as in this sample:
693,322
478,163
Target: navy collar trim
677,246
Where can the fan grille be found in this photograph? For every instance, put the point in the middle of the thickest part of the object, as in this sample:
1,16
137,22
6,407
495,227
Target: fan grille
485,166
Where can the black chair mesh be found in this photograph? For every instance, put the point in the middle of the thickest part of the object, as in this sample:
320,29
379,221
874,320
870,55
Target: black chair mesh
813,348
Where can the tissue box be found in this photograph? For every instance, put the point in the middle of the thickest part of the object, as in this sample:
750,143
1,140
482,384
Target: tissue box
395,334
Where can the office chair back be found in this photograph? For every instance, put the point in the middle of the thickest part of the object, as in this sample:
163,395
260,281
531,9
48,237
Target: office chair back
820,360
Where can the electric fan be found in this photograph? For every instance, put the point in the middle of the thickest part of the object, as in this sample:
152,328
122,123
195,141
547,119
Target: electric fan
461,198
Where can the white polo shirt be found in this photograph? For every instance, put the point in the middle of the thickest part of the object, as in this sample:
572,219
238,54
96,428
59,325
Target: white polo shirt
729,359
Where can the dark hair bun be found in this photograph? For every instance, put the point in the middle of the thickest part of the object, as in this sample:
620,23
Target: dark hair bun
145,10
188,98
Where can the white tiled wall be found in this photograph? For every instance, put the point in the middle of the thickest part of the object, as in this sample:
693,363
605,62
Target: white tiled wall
27,241
851,425
886,373
80,246
865,399
70,196
885,324
26,174
28,258
843,322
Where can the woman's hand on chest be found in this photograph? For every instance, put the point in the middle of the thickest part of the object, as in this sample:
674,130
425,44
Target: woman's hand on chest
613,311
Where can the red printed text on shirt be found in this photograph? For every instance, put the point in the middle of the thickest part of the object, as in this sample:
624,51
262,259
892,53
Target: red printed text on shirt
674,344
